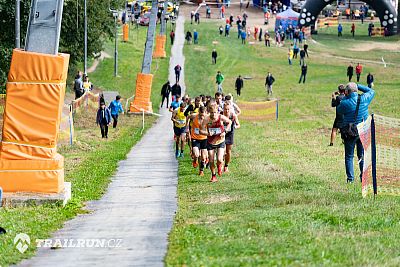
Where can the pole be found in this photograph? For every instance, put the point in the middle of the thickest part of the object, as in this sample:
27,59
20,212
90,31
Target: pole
116,48
17,25
85,18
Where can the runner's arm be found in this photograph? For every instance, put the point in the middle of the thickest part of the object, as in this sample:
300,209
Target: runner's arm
237,123
226,120
173,116
238,110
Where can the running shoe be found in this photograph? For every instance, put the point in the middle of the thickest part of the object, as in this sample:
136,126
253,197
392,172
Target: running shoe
177,154
195,163
201,173
219,170
214,179
226,169
181,155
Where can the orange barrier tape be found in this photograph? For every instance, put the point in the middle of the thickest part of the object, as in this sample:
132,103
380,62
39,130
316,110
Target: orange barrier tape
34,102
125,32
159,51
143,93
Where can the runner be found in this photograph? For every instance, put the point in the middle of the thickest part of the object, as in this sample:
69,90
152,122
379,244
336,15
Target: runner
199,141
213,127
230,131
175,104
179,119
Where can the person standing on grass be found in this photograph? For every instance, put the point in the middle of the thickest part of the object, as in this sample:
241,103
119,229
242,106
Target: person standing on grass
290,55
103,119
179,120
231,20
302,57
208,12
267,38
295,50
191,16
243,35
305,46
352,114
195,37
303,73
227,28
78,85
339,30
116,108
238,85
336,99
260,35
370,80
350,72
197,18
353,29
165,91
177,70
218,80
188,37
269,81
358,71
221,30
172,36
214,56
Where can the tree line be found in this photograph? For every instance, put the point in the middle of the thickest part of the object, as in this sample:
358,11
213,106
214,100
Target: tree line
100,28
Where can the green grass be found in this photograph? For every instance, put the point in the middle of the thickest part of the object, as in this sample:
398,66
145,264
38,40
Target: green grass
285,200
91,161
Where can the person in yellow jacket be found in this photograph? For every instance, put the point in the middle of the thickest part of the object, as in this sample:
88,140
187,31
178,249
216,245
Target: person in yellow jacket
87,85
179,120
290,55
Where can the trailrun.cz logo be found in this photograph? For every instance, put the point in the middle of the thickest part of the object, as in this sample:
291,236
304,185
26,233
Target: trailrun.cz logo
22,242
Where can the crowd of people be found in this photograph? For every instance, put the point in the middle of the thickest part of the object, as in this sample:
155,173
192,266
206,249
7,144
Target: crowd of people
207,124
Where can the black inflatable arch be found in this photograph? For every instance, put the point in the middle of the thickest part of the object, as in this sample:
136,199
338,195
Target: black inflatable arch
384,9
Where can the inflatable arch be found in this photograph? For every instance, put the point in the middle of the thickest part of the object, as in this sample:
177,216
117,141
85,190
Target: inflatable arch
384,9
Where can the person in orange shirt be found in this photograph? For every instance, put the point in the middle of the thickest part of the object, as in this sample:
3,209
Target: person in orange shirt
199,141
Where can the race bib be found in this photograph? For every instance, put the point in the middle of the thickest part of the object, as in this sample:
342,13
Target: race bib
214,131
197,131
181,122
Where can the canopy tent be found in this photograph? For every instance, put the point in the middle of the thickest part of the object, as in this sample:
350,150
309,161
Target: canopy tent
286,18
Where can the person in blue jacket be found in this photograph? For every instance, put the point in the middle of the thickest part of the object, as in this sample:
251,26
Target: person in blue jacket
116,108
103,119
339,30
347,108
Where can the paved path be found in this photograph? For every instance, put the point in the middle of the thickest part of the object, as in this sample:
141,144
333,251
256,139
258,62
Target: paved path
139,206
177,53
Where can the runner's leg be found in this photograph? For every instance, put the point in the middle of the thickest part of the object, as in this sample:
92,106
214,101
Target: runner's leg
220,159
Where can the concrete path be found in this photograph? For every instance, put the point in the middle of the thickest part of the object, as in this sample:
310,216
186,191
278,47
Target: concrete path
177,53
109,96
138,208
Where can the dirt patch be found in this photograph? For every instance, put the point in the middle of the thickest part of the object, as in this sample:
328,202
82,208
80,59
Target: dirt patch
219,199
368,46
200,48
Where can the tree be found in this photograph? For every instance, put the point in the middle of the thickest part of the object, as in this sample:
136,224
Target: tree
100,28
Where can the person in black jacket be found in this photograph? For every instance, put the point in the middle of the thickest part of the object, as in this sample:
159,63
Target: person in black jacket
176,90
370,80
214,56
350,72
239,85
269,80
103,119
303,73
336,98
165,91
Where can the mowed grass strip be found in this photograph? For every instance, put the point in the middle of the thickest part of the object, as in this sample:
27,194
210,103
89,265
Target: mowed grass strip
91,161
285,200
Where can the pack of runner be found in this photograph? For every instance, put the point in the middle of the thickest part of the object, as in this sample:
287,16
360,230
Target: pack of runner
208,126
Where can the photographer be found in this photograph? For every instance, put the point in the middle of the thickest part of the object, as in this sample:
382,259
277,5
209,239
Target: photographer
354,108
336,99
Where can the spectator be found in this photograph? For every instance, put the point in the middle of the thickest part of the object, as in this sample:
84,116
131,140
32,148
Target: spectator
260,35
172,36
221,30
339,30
214,56
231,20
103,119
358,71
219,80
87,85
370,80
267,38
370,28
227,28
303,73
191,16
353,29
295,50
165,91
238,85
269,81
195,37
350,72
208,12
197,18
354,108
243,35
78,85
302,57
290,56
177,70
336,98
116,108
188,37
305,47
